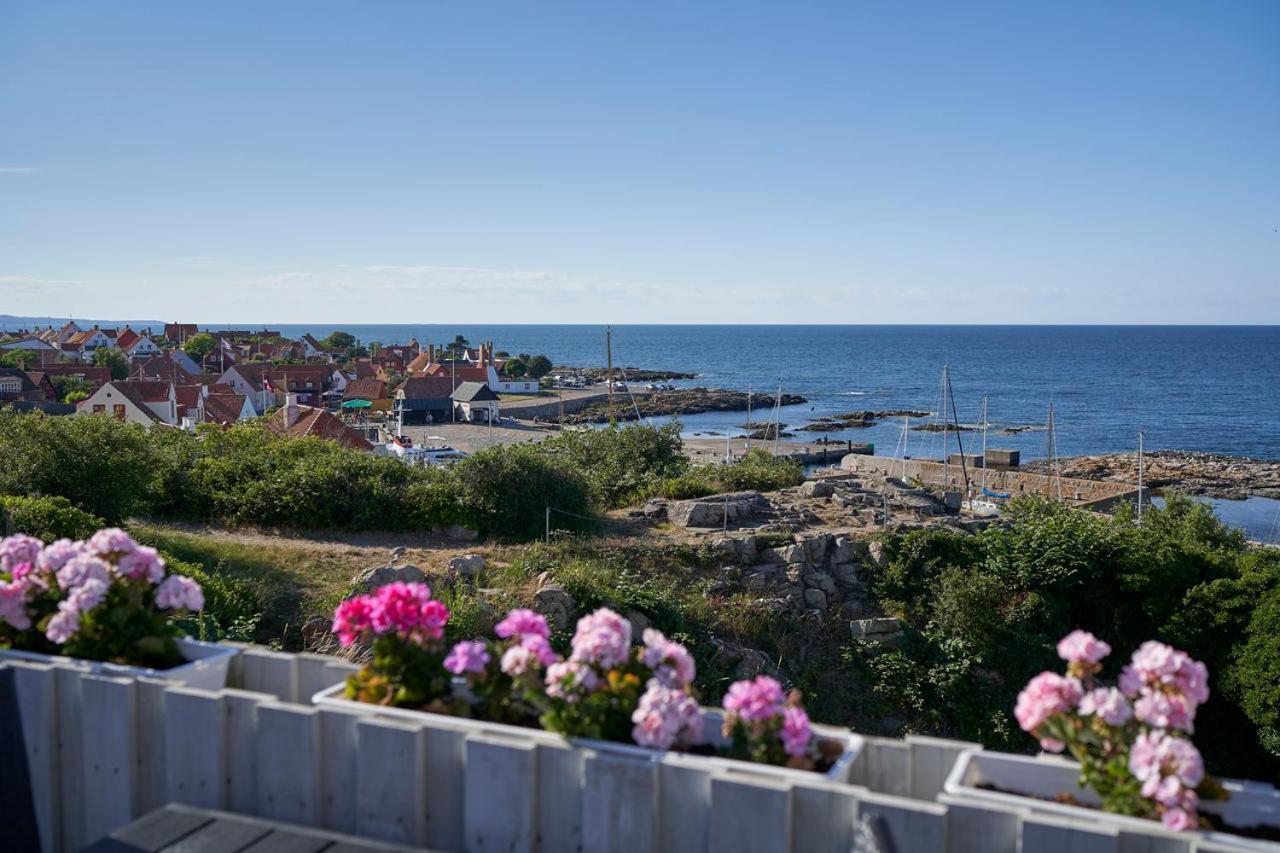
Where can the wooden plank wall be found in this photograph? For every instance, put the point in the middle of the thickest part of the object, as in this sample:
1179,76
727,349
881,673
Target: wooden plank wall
103,751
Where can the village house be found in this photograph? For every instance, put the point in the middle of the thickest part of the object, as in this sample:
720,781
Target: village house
373,390
136,345
425,399
265,384
145,403
18,385
311,348
29,342
476,402
225,407
296,420
96,376
179,333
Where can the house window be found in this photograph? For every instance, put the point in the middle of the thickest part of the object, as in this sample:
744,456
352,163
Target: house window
118,411
98,408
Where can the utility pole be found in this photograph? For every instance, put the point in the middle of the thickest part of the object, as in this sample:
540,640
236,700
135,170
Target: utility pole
608,349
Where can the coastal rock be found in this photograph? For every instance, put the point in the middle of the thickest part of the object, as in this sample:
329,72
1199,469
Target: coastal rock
847,550
822,581
816,489
742,661
466,565
814,599
815,548
378,576
397,554
639,624
880,630
877,555
715,510
557,605
740,549
655,508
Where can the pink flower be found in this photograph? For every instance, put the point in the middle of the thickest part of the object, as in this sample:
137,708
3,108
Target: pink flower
467,656
532,651
755,701
666,717
523,622
142,563
1082,647
80,569
671,662
796,732
111,542
602,638
13,604
66,622
1179,820
17,549
1045,695
1048,744
178,592
1109,704
568,680
58,554
352,618
1167,686
1168,767
409,610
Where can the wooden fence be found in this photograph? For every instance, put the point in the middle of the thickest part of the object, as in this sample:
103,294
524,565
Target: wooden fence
103,751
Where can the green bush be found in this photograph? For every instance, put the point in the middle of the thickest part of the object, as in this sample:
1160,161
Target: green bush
983,614
621,465
101,465
46,518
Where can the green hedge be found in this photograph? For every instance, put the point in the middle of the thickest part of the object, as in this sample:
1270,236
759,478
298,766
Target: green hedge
46,518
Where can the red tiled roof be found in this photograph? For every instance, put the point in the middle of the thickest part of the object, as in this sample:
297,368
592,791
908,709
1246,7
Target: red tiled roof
126,339
365,389
426,387
318,423
223,408
151,392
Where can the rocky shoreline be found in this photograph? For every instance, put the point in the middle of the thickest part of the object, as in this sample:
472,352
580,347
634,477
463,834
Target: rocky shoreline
1209,474
620,374
684,401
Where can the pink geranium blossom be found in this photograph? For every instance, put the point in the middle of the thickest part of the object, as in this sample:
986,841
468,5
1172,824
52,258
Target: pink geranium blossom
1082,647
523,622
568,680
178,592
796,732
671,662
352,618
666,717
1045,695
111,542
756,700
467,656
80,569
13,604
1107,703
142,563
1166,685
18,549
603,638
58,554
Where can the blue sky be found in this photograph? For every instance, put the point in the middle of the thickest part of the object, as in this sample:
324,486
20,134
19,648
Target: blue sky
658,162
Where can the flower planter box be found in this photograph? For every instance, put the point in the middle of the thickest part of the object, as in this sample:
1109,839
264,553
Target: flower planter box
206,668
839,772
1250,804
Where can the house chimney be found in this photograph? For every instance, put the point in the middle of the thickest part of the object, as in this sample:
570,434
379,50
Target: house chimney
290,409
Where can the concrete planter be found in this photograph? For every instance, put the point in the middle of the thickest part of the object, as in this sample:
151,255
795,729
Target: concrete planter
713,719
206,668
1250,803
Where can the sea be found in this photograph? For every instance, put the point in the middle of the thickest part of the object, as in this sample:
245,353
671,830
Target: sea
1205,388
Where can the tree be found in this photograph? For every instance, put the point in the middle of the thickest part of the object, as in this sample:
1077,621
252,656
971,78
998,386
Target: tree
338,341
18,358
515,368
538,366
199,346
114,358
458,345
69,386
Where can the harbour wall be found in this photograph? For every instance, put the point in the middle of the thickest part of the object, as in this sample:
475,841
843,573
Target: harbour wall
1098,495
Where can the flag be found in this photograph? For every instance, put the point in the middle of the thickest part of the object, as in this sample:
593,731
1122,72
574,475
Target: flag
266,384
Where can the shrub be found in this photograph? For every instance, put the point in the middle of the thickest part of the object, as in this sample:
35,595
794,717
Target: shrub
46,518
101,465
621,465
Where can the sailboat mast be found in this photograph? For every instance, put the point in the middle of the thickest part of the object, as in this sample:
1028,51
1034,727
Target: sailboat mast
777,419
964,467
608,351
1051,447
1140,473
946,459
984,443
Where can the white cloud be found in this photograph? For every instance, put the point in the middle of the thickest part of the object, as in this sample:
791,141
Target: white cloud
18,170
